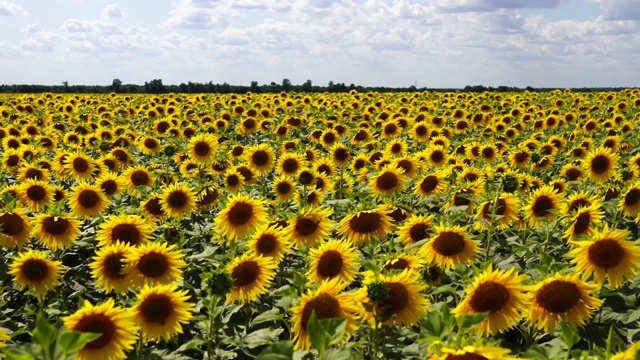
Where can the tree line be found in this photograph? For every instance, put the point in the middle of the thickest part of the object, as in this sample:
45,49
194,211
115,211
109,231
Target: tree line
156,86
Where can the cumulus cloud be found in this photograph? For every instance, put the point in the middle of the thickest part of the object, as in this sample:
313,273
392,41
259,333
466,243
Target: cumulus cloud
10,9
620,9
493,5
112,12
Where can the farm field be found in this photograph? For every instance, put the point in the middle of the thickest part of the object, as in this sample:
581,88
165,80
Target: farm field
425,225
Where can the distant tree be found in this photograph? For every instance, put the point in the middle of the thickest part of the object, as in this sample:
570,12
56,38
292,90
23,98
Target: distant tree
116,84
65,84
255,88
307,86
286,84
154,87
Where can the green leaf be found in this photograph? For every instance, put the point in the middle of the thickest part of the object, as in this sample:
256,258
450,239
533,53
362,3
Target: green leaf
466,321
335,327
72,342
337,354
267,316
568,335
262,337
14,356
317,334
44,332
282,350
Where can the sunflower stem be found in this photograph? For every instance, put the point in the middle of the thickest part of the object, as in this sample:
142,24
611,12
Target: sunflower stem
212,330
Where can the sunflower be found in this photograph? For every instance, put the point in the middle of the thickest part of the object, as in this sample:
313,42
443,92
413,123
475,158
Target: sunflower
116,326
149,145
472,352
4,336
333,259
128,229
232,180
29,171
79,166
107,268
360,226
252,276
407,166
177,200
403,303
325,302
520,158
55,232
240,217
389,180
202,148
270,241
506,212
340,154
402,262
152,208
435,155
157,263
35,271
580,199
137,176
630,202
284,188
416,228
601,164
161,310
261,158
448,246
35,194
543,203
324,166
310,227
87,200
110,184
583,220
290,164
562,297
433,183
15,228
501,293
607,253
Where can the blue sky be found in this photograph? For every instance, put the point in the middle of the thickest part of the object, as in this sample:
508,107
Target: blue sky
434,43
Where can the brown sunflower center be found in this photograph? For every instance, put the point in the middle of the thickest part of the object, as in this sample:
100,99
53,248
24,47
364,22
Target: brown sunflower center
99,324
488,152
558,296
341,154
109,187
80,165
266,244
153,207
88,198
260,158
240,213
283,188
35,270
290,165
245,273
607,253
361,135
582,223
396,148
32,173
330,264
233,180
449,243
202,148
323,305
306,178
150,143
489,296
421,130
632,197
419,231
406,165
396,301
329,138
153,264
305,226
600,164
365,222
541,206
573,174
113,265
36,193
436,156
177,199
55,226
397,264
488,208
139,177
387,181
521,157
156,308
127,233
461,197
429,183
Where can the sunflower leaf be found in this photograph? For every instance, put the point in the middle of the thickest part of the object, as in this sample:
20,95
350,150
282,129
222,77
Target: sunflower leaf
467,321
282,350
267,316
44,332
318,336
72,341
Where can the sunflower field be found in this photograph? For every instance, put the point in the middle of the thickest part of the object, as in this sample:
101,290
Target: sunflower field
425,225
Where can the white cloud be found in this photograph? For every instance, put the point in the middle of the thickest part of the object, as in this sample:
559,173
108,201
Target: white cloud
112,12
492,5
620,9
10,9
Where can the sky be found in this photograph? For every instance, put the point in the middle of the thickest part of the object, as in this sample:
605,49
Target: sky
395,43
